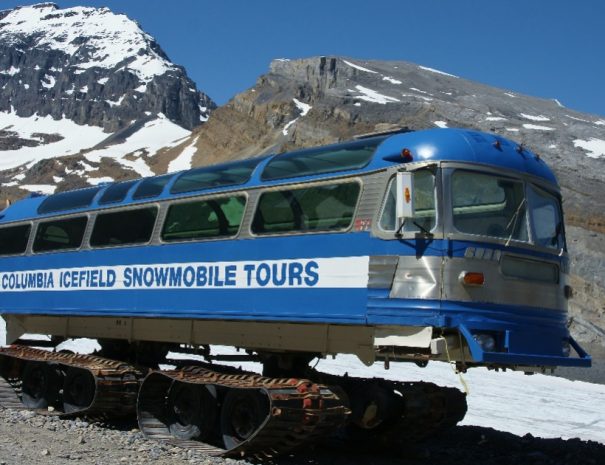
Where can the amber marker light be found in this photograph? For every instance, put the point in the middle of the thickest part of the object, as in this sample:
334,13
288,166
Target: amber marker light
471,278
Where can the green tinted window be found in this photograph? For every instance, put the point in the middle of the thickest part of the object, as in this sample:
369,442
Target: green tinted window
341,157
123,227
318,208
60,234
204,219
13,240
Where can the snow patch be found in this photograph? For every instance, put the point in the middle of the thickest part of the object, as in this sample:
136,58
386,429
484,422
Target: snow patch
509,94
75,138
537,127
103,81
83,89
512,129
421,91
11,71
601,122
391,80
46,189
304,109
370,95
534,117
440,124
114,103
595,147
495,118
361,68
48,82
577,119
97,181
153,136
183,161
558,103
432,70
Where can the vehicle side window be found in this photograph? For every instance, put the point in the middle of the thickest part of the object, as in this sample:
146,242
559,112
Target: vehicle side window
60,234
306,209
13,240
546,219
124,227
204,219
424,201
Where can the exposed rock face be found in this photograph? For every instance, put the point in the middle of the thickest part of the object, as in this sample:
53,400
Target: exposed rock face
322,100
90,66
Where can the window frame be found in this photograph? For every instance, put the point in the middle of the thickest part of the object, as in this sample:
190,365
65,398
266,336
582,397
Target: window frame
303,185
167,205
50,219
128,208
436,189
451,227
32,228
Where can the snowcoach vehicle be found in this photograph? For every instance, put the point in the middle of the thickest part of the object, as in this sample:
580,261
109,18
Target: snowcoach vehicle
441,244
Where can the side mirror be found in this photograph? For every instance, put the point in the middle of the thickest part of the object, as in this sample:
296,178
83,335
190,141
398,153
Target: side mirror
405,196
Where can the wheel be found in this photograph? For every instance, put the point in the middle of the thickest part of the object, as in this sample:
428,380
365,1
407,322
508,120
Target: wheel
40,385
78,390
191,411
243,412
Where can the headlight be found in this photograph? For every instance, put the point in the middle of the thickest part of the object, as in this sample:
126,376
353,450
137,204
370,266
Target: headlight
486,341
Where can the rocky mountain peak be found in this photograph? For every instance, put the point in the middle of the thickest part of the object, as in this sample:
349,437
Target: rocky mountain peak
91,66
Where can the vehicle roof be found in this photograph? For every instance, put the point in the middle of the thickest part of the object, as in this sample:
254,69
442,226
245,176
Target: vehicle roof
431,145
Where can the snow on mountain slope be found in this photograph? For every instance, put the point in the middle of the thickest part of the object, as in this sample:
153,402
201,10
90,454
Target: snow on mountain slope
159,133
73,138
113,39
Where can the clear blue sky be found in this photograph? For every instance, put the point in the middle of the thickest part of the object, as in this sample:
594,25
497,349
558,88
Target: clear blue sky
544,48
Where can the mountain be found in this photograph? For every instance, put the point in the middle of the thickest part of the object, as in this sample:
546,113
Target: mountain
306,102
86,79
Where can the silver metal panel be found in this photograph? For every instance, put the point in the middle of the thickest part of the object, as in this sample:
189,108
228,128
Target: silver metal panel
499,289
381,271
417,278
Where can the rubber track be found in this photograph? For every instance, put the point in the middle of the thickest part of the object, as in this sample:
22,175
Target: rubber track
300,411
117,383
426,409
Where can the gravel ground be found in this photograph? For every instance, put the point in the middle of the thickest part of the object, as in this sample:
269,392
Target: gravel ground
28,438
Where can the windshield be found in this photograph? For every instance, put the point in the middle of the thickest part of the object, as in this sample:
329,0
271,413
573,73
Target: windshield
488,205
505,208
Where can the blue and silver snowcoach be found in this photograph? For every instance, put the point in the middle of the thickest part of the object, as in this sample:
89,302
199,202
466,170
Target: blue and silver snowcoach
442,244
